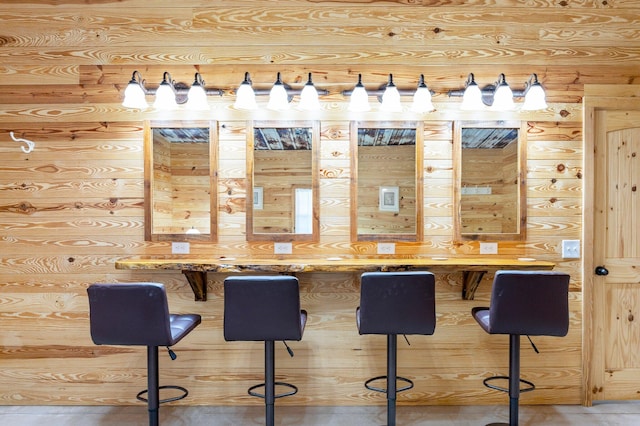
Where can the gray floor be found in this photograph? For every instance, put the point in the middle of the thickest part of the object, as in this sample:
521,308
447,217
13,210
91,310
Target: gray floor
609,414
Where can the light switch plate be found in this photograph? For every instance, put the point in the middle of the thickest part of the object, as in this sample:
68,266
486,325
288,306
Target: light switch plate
282,248
386,248
488,248
180,248
570,249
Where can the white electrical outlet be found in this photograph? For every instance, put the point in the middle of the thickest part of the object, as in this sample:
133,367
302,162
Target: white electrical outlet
571,249
180,248
488,248
386,248
282,248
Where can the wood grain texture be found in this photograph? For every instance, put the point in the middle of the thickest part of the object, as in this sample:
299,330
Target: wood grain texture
74,206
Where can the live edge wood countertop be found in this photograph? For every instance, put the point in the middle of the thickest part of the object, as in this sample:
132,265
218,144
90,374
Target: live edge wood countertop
195,268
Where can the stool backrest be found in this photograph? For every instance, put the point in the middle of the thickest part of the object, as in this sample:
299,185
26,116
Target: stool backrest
129,314
530,303
262,308
397,303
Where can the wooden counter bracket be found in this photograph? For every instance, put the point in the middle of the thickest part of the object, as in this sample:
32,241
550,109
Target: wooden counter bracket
198,282
470,282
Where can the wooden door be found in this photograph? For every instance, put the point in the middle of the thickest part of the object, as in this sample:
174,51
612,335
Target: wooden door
612,244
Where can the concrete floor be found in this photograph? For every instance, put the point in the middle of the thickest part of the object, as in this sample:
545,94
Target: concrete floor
609,414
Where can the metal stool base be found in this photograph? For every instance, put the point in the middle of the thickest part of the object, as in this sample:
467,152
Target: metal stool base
261,385
175,398
402,379
529,388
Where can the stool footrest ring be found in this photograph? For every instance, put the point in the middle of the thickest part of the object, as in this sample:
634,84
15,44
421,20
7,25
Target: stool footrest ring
530,386
402,379
162,401
261,385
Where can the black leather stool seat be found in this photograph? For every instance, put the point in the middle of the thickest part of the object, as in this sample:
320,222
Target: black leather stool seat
264,308
393,303
137,314
531,303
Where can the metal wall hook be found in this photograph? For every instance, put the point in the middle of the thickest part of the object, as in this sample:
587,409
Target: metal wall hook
30,144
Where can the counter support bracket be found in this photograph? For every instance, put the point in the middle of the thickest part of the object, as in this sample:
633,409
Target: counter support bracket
198,282
470,282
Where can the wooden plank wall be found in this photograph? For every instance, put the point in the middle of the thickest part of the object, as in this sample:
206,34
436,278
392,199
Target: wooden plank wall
498,210
74,206
393,165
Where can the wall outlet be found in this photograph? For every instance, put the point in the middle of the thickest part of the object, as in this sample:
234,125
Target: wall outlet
386,248
180,248
282,248
570,249
488,248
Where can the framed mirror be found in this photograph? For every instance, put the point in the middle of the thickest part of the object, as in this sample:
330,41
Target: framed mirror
282,174
386,181
490,191
180,180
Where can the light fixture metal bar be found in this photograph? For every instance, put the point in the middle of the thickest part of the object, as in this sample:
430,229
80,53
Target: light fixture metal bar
290,91
485,92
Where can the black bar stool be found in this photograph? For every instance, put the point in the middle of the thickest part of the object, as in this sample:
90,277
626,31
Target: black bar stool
137,314
395,303
527,303
264,308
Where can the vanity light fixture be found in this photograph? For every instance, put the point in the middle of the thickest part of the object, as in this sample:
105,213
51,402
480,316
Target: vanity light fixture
192,231
309,100
472,96
197,96
134,94
534,96
359,100
499,96
391,97
278,96
422,98
503,96
245,95
169,94
166,94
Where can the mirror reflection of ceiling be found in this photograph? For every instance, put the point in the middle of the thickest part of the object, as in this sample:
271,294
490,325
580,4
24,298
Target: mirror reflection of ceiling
284,138
382,137
186,134
480,138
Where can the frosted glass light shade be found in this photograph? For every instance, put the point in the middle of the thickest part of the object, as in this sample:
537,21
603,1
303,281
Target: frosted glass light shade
165,97
535,98
134,97
309,100
197,98
472,98
245,96
391,100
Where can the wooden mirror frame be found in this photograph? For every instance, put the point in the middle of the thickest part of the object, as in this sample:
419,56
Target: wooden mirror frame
419,180
521,194
149,180
314,125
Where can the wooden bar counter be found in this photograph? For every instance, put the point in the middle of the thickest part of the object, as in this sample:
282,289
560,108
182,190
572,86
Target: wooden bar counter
195,268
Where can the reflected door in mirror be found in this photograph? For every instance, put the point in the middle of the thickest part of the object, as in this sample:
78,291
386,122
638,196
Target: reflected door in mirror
283,177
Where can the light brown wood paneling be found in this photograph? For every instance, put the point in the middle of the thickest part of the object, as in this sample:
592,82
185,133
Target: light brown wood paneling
75,205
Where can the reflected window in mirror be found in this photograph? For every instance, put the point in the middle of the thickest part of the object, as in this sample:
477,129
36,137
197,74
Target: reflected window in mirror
490,190
282,170
180,181
386,181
